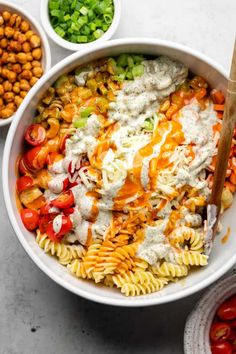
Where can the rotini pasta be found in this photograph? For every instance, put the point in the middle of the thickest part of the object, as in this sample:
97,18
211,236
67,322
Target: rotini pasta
116,186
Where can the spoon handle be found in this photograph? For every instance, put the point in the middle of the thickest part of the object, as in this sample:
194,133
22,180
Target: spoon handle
228,126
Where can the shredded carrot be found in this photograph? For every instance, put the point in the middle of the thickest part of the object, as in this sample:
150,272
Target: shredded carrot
230,185
217,97
233,178
219,107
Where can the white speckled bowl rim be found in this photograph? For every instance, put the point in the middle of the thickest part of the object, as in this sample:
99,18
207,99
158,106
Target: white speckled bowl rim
196,333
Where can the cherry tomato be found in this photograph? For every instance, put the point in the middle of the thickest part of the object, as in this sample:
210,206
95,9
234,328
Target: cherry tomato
232,336
48,209
220,331
68,211
30,218
63,142
35,158
64,200
35,135
233,324
221,348
227,310
44,221
23,183
22,167
65,227
66,184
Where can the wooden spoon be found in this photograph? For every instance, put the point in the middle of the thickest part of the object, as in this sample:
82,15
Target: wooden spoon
228,125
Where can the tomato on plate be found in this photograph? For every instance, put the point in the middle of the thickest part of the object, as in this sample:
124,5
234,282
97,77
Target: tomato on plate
64,200
227,310
30,219
47,208
22,167
221,348
23,183
35,135
220,331
35,158
66,226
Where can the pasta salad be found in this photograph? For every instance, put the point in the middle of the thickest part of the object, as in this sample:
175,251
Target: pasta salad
118,168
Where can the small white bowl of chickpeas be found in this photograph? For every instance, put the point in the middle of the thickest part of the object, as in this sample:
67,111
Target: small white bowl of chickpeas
24,56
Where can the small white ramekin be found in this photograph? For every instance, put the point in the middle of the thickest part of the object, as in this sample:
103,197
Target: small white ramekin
74,46
36,27
197,328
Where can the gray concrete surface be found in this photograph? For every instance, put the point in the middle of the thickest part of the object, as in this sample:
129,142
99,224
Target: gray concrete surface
39,317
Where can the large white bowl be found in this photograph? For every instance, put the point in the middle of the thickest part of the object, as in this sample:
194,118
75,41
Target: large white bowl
223,255
35,26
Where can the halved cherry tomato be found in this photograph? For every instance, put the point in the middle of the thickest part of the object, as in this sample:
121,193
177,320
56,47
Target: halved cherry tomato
233,324
35,134
227,310
65,200
35,158
68,211
66,226
44,221
22,167
30,218
63,142
220,331
221,348
47,208
232,336
23,183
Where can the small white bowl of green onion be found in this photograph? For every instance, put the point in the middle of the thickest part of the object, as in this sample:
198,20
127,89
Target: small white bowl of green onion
76,24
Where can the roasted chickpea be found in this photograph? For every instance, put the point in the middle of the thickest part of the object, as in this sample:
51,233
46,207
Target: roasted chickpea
11,58
21,58
5,57
21,38
17,68
26,74
1,90
11,105
9,32
35,41
27,66
37,71
29,57
1,102
6,15
1,51
18,21
1,32
7,86
6,112
33,81
4,43
24,26
8,96
1,20
16,87
16,34
14,46
23,94
4,73
24,85
26,47
12,20
11,76
35,63
29,34
37,53
18,100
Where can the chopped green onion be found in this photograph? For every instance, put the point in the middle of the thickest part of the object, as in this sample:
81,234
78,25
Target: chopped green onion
148,125
85,112
80,123
138,70
81,21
